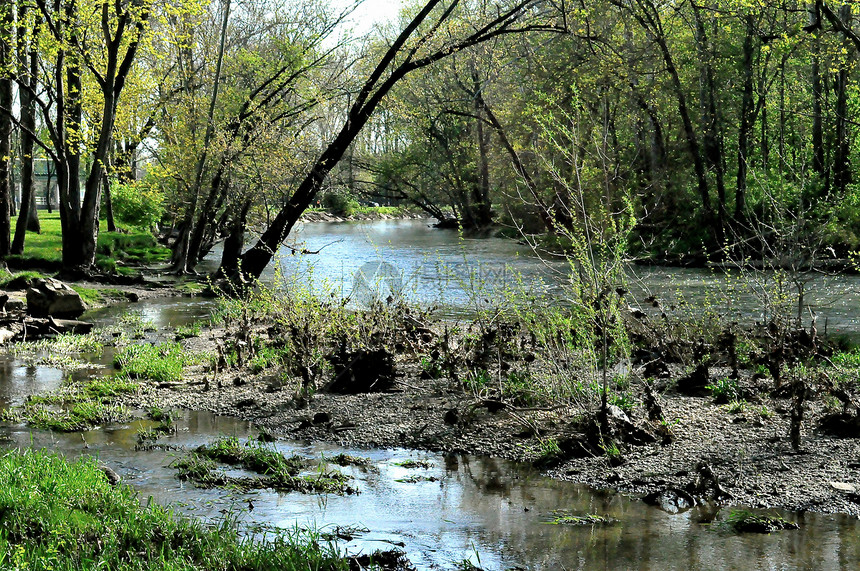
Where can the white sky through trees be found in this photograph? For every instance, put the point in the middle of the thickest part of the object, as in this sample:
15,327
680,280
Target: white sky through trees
372,12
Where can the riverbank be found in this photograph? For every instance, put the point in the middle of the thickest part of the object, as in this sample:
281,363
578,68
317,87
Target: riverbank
426,404
60,514
744,442
366,213
749,451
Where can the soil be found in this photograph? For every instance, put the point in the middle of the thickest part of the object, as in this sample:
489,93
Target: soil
748,450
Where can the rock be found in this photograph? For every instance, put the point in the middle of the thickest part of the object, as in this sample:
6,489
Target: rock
670,500
71,326
843,487
47,296
840,424
112,477
452,416
694,384
321,418
707,485
6,335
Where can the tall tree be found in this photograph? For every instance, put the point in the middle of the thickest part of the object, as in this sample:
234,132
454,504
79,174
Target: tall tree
7,62
28,66
424,40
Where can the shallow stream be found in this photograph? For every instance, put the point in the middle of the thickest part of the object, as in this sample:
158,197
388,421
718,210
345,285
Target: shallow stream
494,513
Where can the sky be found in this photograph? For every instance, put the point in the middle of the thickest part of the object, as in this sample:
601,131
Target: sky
371,12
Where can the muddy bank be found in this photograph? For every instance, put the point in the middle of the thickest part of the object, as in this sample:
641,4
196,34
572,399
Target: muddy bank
747,447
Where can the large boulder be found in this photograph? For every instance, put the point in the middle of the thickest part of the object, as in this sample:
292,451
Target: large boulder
47,296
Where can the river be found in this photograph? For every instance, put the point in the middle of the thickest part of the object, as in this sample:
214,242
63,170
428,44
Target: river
494,513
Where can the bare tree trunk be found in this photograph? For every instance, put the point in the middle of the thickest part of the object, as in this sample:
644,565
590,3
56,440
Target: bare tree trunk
28,79
6,60
782,118
818,164
841,165
235,241
181,261
710,120
481,198
746,123
111,223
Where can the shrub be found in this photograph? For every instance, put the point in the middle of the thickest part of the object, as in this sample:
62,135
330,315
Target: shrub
724,390
137,204
340,203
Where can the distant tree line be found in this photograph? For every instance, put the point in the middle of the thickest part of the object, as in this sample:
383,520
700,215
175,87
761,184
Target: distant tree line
723,125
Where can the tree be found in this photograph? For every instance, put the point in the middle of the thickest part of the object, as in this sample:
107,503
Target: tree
430,36
7,24
90,46
28,74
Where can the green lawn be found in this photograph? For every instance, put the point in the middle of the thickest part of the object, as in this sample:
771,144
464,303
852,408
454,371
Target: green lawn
116,250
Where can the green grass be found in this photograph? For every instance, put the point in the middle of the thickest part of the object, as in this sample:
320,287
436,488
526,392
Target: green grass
160,363
19,280
65,516
133,246
100,390
65,344
277,471
83,415
724,390
745,521
252,456
187,331
90,296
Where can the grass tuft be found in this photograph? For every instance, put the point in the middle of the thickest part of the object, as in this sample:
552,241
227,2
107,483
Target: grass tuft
160,363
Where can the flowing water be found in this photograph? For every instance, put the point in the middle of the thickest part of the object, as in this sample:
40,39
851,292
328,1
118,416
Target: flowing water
495,513
371,260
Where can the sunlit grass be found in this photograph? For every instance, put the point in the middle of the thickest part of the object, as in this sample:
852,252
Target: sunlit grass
65,516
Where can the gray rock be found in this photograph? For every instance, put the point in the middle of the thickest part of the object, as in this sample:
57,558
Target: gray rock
6,335
52,297
843,487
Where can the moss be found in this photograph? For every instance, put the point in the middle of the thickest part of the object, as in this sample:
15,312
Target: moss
745,521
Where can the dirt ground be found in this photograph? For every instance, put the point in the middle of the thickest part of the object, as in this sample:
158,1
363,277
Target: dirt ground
748,450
